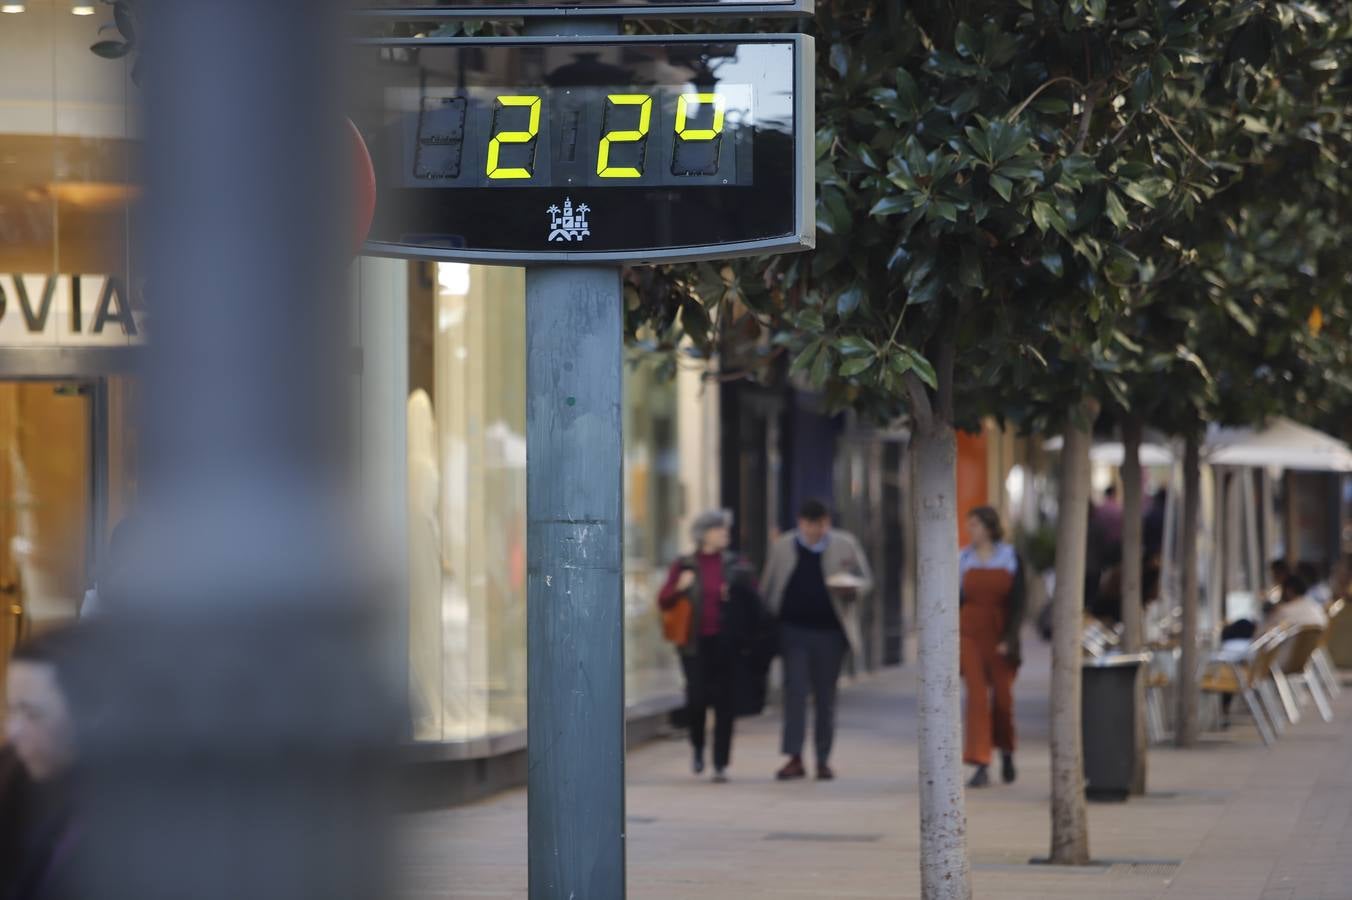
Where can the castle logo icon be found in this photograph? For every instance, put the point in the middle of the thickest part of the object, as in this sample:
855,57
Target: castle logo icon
569,223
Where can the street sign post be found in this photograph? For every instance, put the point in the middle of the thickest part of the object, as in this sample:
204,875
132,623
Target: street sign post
572,150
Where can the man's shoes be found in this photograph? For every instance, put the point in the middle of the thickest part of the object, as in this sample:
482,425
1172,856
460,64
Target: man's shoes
824,772
792,771
699,762
720,777
981,778
1007,772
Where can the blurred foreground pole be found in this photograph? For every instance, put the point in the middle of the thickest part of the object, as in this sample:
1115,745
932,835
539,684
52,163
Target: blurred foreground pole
241,753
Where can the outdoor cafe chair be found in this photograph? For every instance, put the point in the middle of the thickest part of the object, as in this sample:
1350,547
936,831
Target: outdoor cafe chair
1295,669
1246,676
1322,659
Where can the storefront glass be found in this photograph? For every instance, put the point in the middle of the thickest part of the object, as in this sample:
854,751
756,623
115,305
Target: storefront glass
467,508
67,446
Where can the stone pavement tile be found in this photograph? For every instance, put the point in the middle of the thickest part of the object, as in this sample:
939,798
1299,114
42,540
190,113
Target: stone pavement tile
1238,820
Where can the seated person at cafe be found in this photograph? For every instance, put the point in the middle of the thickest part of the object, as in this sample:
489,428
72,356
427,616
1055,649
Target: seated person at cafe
1295,609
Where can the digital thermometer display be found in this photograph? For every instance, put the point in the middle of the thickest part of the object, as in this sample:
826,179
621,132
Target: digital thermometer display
630,148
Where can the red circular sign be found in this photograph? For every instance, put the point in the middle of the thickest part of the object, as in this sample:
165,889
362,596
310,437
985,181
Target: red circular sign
364,183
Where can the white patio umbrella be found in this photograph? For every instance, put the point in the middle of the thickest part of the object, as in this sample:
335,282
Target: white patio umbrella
1283,444
1111,453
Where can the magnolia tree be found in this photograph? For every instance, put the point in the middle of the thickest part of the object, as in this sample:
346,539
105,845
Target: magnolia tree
998,186
1235,329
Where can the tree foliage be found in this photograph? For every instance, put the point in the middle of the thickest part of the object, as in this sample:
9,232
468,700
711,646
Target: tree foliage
1074,196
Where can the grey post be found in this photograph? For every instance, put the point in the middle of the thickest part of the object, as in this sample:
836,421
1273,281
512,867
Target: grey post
575,593
241,719
575,582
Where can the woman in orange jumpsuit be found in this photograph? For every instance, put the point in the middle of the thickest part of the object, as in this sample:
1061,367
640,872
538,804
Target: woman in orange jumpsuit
991,613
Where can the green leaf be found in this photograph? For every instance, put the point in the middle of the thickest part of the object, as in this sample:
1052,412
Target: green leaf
1117,213
923,369
944,210
1142,88
1243,319
1127,342
970,272
849,301
111,49
926,291
125,23
964,40
803,361
907,90
899,257
890,206
852,346
1052,262
840,59
821,368
1042,215
857,366
1136,191
1003,186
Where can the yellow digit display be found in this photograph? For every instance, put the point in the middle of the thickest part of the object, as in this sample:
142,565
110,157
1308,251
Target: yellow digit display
683,104
505,101
644,102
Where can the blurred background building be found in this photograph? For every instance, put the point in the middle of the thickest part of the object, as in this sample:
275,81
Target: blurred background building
72,314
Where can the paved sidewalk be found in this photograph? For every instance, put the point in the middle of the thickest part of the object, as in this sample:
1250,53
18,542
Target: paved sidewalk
1227,821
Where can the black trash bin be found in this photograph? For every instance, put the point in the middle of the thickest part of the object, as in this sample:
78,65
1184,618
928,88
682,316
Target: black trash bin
1108,720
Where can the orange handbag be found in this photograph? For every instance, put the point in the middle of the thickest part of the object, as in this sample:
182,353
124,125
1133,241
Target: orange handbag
676,621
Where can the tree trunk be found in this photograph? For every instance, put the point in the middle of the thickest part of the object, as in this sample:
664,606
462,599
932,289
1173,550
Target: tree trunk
945,873
1132,610
1186,728
1070,825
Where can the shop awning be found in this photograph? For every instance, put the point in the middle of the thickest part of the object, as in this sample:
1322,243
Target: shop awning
1283,444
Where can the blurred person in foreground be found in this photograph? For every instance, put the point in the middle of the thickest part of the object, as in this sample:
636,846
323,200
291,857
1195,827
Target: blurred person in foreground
813,579
43,735
991,606
712,613
115,565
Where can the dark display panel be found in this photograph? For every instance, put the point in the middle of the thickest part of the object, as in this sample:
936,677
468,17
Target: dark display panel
614,147
487,6
622,135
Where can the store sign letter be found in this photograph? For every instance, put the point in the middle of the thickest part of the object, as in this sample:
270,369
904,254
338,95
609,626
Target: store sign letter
67,310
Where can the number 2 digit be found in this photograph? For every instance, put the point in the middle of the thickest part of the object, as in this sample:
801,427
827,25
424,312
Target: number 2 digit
506,101
637,135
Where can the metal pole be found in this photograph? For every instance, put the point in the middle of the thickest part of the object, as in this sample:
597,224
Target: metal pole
575,589
575,563
241,719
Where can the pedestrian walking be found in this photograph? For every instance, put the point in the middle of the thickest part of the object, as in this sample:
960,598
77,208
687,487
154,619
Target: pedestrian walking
813,580
41,726
991,608
712,612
